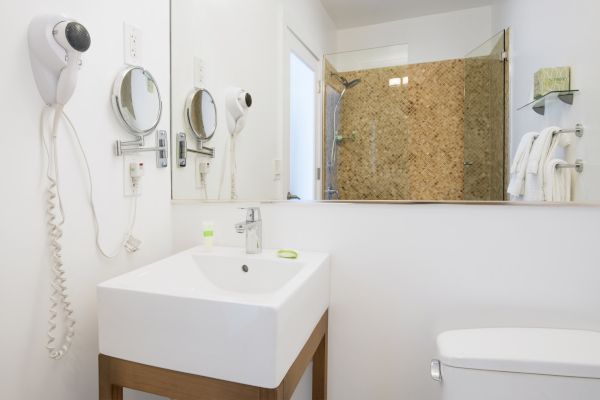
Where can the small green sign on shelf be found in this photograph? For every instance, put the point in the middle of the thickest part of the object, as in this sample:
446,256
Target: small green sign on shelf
552,80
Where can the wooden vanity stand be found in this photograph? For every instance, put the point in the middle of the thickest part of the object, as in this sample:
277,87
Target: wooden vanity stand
116,374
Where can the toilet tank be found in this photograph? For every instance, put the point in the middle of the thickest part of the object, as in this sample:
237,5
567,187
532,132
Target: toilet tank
518,364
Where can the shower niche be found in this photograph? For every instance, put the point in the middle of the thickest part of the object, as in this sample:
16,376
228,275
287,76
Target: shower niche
434,131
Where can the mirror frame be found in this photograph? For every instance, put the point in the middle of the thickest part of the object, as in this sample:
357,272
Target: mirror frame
188,117
117,96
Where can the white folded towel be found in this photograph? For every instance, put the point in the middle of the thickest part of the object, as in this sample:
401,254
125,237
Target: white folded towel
561,140
518,169
540,150
555,178
557,181
534,180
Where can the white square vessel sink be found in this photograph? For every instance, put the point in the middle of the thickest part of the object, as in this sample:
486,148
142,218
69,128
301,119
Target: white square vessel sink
202,313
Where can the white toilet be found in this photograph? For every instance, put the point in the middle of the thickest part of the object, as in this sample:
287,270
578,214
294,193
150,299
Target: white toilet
518,364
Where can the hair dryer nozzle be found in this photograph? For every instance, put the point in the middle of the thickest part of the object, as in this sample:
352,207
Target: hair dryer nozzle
77,36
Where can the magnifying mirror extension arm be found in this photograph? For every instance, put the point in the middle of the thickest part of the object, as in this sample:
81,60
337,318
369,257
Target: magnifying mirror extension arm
137,146
183,149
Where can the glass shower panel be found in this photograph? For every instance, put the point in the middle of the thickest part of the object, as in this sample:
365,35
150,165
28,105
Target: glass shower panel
485,122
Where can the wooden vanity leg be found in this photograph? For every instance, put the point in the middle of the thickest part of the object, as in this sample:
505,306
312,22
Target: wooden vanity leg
271,394
117,393
107,391
319,387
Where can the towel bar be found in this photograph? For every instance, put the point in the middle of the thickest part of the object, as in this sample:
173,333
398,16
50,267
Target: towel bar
578,166
579,129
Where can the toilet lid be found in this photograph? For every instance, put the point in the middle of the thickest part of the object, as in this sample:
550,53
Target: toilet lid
558,352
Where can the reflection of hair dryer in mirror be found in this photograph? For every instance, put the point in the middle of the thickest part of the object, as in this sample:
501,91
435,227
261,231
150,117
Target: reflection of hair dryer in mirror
237,103
55,47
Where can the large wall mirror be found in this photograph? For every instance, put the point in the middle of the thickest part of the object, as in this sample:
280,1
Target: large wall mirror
396,130
435,108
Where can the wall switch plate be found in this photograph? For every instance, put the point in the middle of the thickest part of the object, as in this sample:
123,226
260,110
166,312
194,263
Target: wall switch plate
198,72
132,44
127,186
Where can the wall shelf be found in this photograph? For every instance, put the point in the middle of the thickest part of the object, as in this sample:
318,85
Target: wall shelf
539,105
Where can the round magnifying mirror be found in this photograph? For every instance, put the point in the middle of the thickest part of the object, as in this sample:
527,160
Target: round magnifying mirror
136,100
201,114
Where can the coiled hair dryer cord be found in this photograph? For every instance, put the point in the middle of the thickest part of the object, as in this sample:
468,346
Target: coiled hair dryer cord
59,299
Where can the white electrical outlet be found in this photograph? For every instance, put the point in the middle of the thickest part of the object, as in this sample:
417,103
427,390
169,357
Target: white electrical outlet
202,168
198,72
132,44
127,183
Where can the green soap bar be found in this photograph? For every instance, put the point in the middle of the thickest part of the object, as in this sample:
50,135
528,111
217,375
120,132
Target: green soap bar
287,253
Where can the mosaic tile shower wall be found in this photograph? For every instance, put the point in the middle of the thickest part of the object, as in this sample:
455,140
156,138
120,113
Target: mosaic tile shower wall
436,130
373,159
409,141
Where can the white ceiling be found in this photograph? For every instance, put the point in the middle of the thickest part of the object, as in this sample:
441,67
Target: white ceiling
353,13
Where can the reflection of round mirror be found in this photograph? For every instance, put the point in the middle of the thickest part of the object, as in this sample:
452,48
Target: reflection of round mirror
201,114
136,100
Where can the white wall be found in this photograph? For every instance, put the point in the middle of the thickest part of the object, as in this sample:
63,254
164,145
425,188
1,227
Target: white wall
309,20
26,373
543,35
241,44
431,38
401,274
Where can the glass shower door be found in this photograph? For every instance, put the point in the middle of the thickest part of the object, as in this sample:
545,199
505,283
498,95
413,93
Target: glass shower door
485,135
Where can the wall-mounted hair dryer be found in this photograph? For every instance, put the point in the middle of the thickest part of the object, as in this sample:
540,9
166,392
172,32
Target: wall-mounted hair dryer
55,47
237,103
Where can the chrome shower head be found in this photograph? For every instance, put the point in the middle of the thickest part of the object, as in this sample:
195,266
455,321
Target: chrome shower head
344,81
351,84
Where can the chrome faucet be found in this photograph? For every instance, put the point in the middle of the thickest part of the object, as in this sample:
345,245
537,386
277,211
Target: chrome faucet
252,227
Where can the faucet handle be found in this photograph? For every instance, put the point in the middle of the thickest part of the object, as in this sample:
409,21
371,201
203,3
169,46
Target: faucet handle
252,214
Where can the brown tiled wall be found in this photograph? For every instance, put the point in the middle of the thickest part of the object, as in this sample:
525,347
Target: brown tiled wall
373,163
410,142
436,130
